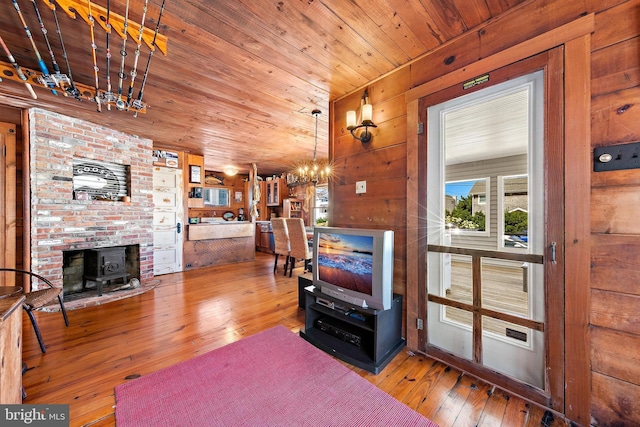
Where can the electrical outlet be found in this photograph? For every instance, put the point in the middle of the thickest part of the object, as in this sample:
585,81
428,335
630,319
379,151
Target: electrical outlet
361,187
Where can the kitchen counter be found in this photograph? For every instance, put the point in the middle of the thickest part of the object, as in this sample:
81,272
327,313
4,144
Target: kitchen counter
219,243
220,230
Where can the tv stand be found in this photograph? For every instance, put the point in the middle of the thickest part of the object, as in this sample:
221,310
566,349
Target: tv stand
363,337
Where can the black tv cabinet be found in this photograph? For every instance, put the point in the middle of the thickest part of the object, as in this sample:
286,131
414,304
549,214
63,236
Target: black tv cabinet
363,337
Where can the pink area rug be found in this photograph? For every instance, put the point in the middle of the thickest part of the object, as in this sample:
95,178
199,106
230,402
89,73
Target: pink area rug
273,378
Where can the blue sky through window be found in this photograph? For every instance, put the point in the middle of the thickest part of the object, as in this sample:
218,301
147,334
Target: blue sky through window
458,189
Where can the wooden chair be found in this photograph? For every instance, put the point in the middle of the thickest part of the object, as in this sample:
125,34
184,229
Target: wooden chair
38,299
281,242
298,242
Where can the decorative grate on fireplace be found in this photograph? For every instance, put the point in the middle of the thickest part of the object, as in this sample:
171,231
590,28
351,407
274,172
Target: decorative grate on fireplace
104,265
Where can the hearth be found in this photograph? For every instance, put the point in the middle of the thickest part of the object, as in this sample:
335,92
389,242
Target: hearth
104,265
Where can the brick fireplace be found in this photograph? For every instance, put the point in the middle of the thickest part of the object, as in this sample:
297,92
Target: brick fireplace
59,222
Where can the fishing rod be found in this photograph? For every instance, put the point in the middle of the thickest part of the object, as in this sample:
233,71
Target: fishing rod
137,104
95,60
43,66
120,104
18,69
137,53
56,68
71,89
108,96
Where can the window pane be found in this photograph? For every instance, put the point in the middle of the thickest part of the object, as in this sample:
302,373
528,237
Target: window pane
465,205
515,211
505,286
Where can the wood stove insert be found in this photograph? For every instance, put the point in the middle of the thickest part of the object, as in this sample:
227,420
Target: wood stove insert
104,265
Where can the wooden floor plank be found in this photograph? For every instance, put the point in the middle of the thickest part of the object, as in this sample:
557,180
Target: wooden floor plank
439,393
516,412
453,404
493,412
474,406
191,313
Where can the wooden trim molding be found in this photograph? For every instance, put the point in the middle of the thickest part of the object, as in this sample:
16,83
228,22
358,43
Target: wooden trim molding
416,235
541,43
577,62
8,194
26,194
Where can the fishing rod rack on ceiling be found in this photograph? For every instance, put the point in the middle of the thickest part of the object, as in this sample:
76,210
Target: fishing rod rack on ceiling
111,23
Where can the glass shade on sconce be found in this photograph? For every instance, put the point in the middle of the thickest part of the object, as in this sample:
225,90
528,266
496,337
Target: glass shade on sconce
366,113
351,119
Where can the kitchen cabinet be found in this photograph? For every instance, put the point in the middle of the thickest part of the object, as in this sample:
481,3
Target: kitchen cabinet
275,191
264,236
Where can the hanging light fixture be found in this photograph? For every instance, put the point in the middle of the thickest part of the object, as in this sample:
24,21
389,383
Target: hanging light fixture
366,110
311,171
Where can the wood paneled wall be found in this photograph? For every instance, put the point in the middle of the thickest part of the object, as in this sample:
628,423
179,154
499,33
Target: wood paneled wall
615,199
615,113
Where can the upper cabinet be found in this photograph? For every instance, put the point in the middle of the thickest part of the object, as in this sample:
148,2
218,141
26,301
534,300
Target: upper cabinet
276,188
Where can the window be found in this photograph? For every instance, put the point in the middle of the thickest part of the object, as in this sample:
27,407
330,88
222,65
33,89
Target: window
514,211
321,205
216,197
466,206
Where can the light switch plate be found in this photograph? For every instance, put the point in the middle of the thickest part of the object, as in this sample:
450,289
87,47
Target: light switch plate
361,187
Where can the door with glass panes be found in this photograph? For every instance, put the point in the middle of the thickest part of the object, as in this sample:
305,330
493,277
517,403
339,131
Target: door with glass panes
494,271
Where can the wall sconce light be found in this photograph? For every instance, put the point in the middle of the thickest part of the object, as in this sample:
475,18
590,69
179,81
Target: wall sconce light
366,110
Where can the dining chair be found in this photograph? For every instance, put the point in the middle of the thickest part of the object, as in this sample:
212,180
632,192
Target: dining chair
37,299
281,242
299,243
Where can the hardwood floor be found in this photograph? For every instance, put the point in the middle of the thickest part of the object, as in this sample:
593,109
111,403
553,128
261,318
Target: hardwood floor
194,312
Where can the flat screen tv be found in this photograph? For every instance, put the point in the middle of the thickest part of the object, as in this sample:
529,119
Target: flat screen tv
354,265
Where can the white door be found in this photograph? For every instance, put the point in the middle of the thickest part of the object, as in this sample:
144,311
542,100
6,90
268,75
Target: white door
167,220
486,217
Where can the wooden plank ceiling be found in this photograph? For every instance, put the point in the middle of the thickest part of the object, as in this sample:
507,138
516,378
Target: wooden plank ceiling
240,77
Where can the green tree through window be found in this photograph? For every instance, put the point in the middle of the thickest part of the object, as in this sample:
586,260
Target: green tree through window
463,218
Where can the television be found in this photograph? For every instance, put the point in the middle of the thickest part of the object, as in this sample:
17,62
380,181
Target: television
354,265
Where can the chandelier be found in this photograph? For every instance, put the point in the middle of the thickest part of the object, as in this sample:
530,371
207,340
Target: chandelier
310,171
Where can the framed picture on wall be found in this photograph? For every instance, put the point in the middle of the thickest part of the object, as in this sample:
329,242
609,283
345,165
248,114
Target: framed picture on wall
194,174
